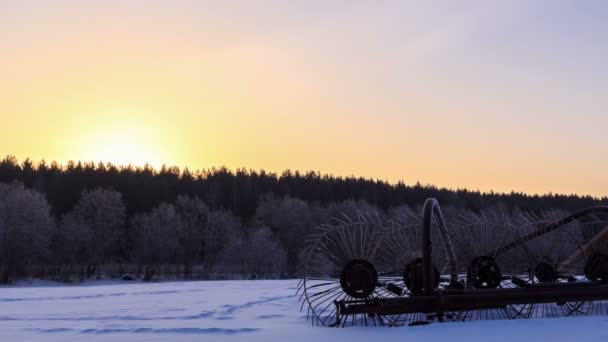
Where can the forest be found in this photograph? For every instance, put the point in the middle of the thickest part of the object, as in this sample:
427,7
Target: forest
88,220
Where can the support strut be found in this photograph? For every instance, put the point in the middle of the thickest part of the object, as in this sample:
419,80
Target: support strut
432,210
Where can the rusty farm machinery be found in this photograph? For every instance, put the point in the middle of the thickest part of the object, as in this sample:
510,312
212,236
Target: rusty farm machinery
416,269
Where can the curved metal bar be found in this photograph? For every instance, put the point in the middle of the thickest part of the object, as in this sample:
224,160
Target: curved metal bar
551,227
432,209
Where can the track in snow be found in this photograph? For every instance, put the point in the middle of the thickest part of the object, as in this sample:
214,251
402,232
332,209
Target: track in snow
228,311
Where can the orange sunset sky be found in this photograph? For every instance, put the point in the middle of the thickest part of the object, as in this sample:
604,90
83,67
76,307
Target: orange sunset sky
501,95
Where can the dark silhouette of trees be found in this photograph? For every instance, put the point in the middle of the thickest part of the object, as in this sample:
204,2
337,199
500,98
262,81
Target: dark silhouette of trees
240,191
102,212
254,256
289,219
222,228
25,230
83,219
191,230
156,241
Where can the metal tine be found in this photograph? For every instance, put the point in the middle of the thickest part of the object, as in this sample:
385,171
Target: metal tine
347,238
341,234
375,218
391,242
318,312
482,234
547,248
406,217
338,222
402,246
348,219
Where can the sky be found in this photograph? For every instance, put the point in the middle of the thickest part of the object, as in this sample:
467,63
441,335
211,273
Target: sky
487,95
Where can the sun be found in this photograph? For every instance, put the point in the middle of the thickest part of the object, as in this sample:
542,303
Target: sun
124,146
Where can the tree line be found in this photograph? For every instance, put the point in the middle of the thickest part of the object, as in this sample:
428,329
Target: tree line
240,191
84,220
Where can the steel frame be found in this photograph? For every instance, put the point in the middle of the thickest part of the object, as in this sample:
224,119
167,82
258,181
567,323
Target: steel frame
455,298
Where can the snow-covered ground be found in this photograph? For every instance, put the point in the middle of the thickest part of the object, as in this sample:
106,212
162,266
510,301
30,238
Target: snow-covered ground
229,311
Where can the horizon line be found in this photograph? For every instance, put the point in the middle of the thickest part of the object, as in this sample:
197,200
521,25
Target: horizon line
201,174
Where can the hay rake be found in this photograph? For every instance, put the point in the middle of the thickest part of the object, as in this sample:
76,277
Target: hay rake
363,271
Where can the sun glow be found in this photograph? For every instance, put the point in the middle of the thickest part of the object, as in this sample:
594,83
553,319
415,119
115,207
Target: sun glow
454,96
123,147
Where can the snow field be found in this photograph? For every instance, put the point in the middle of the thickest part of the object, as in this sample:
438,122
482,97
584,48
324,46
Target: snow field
229,311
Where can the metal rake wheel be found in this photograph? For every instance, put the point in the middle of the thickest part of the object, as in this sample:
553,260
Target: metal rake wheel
402,255
341,264
592,262
477,239
485,266
547,260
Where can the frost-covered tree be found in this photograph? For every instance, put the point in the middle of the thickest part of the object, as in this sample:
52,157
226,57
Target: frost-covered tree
222,228
291,220
256,256
155,238
100,214
72,248
265,257
25,230
193,215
